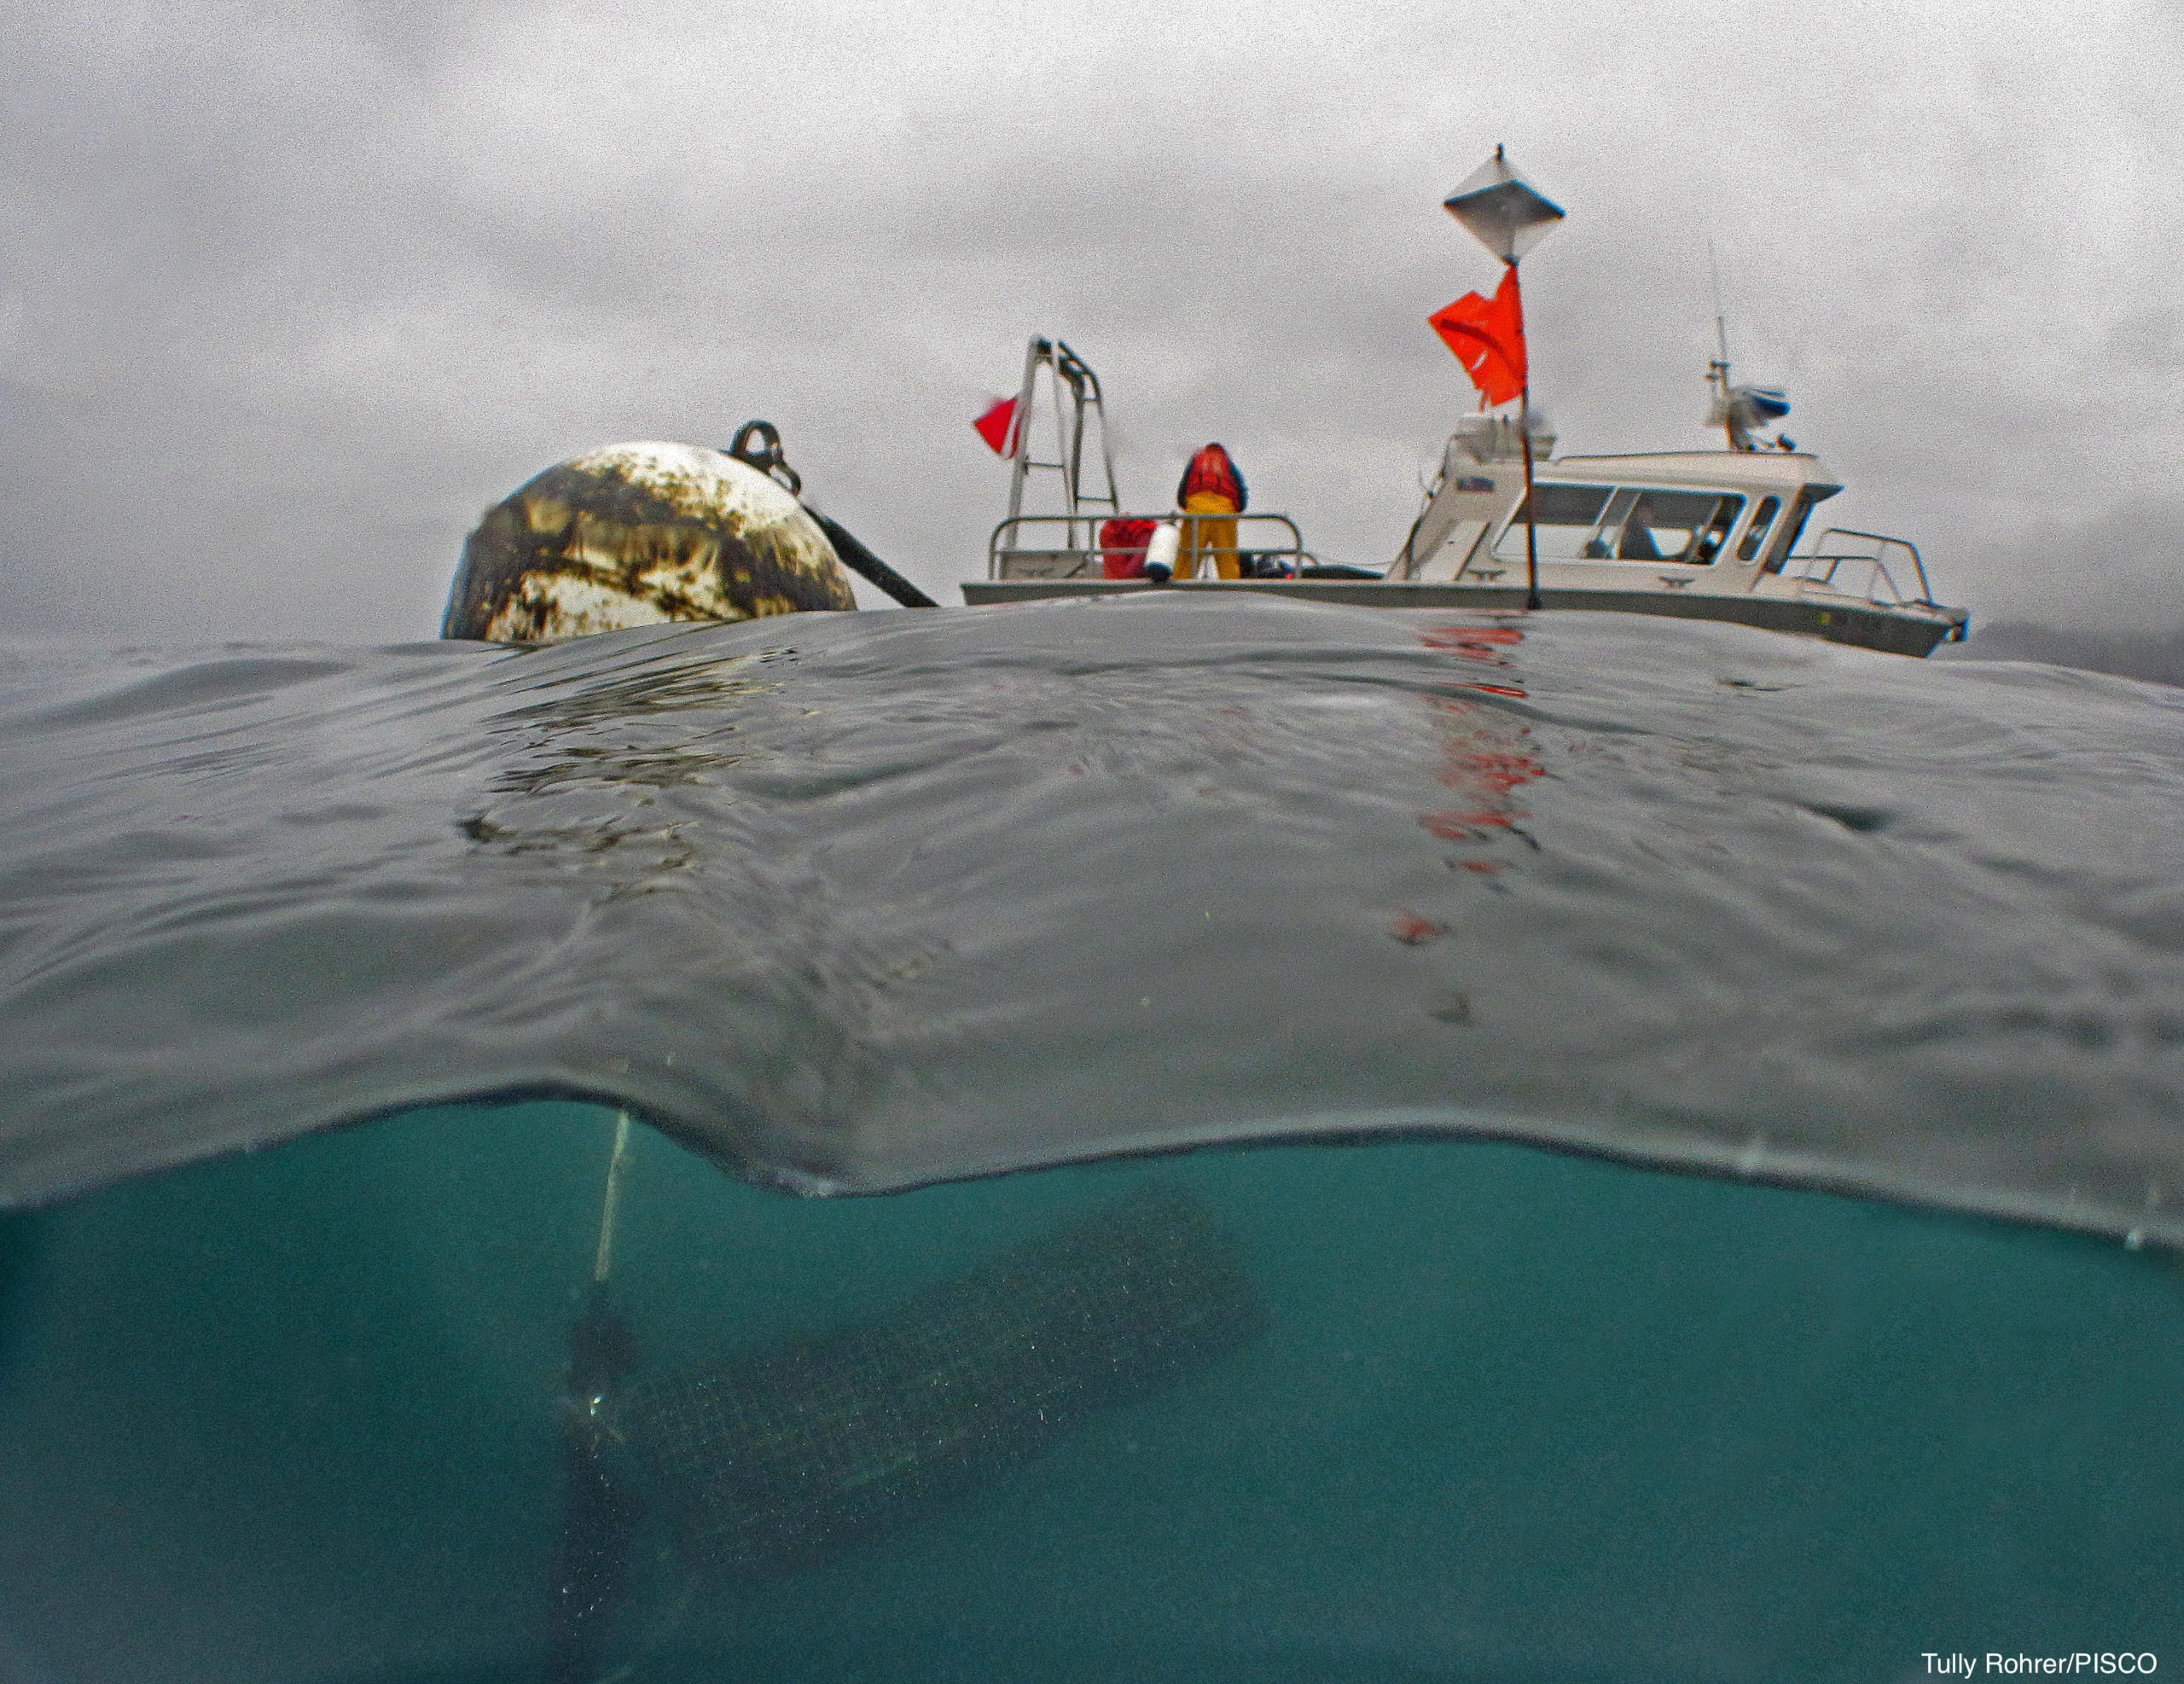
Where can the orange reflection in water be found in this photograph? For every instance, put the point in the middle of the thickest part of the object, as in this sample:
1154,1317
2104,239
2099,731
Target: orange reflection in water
1485,754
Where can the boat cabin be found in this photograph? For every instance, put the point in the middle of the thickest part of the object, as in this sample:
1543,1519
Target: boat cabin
1719,518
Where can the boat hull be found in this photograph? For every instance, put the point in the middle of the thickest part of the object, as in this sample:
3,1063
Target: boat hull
1891,631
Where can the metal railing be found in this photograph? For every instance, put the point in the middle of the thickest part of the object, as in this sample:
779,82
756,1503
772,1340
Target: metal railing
1007,558
1830,567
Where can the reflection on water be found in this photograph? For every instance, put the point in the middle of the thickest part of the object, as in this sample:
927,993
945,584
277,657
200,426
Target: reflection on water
1399,1411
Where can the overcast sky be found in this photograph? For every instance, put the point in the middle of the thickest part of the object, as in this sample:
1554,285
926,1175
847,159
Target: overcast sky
290,294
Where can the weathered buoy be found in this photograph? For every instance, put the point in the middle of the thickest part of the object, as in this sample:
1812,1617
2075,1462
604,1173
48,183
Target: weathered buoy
639,535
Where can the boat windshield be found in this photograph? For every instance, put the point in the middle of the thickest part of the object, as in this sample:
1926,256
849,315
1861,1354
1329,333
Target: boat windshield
1756,534
1631,523
1807,497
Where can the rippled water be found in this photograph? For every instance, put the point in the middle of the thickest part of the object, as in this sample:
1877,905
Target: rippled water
856,902
852,902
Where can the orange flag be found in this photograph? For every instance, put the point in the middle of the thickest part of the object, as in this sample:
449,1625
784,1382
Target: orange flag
997,426
1487,336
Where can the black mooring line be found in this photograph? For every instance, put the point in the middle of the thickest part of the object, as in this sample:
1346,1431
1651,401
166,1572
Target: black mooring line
860,560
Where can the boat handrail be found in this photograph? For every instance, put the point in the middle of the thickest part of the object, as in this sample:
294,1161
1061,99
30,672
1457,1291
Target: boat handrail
1823,567
1876,558
1083,561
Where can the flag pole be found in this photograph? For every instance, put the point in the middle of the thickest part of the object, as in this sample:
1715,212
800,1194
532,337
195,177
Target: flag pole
1524,434
1036,351
1508,216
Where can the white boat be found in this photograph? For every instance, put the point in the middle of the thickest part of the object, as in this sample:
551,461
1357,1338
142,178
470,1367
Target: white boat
1699,534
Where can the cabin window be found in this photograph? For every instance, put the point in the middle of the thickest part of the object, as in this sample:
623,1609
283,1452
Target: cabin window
1636,523
1756,534
1567,517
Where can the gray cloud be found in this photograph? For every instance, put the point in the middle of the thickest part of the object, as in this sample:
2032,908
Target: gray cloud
287,298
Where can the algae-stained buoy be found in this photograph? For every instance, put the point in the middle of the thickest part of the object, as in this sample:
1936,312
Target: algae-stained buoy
638,535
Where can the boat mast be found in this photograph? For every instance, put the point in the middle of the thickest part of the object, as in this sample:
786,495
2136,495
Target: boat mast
1065,370
1035,353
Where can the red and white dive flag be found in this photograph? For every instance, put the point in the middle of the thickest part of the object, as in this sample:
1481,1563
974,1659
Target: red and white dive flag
1487,336
997,426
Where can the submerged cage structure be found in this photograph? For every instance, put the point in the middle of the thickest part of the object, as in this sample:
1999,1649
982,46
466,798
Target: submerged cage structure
781,1458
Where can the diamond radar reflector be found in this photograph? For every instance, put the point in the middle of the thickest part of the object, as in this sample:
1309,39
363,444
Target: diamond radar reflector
1503,211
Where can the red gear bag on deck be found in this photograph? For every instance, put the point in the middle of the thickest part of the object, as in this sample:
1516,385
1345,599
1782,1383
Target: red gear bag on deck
1122,546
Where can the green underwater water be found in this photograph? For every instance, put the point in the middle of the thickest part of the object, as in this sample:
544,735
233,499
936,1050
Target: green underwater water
296,1415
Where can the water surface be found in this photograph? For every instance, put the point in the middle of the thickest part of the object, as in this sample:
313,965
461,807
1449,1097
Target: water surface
326,972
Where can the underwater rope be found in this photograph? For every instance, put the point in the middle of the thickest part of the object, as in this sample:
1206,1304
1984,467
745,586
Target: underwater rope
597,1515
602,1258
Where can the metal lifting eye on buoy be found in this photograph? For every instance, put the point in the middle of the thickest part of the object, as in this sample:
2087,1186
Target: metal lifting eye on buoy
766,455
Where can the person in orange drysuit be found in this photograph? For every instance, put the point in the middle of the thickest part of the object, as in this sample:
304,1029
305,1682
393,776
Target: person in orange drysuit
1212,485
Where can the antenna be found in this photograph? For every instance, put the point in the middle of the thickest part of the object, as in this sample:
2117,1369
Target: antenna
1721,320
1718,371
1739,410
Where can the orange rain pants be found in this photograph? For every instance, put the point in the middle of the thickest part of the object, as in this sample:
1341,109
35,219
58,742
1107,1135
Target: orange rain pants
1213,541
